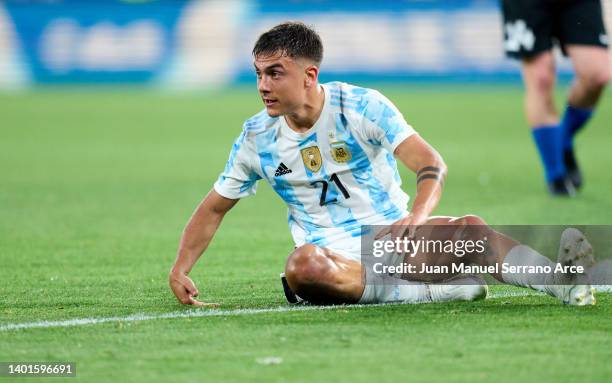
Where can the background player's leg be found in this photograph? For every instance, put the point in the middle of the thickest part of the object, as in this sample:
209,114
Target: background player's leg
539,78
592,69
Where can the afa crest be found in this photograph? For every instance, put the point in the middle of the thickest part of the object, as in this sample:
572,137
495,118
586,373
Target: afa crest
340,152
312,158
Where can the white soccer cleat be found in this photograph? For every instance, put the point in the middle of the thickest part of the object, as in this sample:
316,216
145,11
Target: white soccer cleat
575,250
461,288
577,295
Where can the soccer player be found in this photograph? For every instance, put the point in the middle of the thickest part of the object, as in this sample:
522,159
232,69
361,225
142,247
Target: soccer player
531,27
329,151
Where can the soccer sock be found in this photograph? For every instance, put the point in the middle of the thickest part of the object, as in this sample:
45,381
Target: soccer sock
549,140
522,255
601,275
574,119
384,288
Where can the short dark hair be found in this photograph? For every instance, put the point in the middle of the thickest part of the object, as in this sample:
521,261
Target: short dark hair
293,39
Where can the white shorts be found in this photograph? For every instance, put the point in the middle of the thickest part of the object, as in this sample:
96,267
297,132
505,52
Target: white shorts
352,250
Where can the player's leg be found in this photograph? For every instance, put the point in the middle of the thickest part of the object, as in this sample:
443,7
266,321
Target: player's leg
539,79
583,37
502,249
528,33
468,227
592,68
321,276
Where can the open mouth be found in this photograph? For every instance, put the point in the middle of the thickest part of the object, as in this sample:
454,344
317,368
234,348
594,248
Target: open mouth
270,102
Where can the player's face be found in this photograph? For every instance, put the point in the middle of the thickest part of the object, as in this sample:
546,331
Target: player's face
281,83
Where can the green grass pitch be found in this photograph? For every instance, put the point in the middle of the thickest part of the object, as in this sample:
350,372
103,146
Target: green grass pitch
95,188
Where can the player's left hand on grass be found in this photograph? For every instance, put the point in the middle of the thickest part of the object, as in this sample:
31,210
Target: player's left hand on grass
186,291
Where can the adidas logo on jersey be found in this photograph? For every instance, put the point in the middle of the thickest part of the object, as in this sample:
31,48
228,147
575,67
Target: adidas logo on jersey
282,170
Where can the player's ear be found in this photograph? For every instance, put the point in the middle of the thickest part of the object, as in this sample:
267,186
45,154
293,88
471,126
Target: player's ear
312,74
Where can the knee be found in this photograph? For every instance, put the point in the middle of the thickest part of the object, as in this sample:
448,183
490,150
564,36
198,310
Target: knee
305,266
472,227
541,80
596,80
472,220
544,82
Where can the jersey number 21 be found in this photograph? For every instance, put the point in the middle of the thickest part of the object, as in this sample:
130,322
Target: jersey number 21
334,178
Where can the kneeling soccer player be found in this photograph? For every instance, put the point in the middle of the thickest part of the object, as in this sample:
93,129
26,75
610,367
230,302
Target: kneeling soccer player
328,150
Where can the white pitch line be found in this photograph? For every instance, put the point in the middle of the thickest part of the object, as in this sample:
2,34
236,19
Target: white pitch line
195,313
209,313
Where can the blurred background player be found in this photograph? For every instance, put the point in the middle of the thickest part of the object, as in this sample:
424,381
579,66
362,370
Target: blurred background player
531,28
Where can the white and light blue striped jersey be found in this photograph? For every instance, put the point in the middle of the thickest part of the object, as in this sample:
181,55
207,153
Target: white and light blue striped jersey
335,177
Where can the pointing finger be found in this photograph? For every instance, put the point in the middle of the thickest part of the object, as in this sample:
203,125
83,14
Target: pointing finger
195,302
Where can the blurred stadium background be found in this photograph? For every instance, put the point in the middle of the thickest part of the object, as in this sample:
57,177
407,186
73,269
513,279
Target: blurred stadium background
206,44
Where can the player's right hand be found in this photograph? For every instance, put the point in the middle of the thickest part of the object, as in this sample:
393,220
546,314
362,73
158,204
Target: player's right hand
185,290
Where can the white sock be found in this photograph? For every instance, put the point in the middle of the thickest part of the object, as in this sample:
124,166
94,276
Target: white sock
522,255
601,276
384,288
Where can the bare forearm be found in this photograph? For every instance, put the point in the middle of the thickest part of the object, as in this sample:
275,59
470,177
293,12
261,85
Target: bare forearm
426,162
430,182
196,237
200,230
430,170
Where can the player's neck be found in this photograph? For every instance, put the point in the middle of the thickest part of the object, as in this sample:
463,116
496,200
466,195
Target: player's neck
305,117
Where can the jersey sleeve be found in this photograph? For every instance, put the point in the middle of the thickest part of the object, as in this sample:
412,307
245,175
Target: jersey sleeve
238,179
384,123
